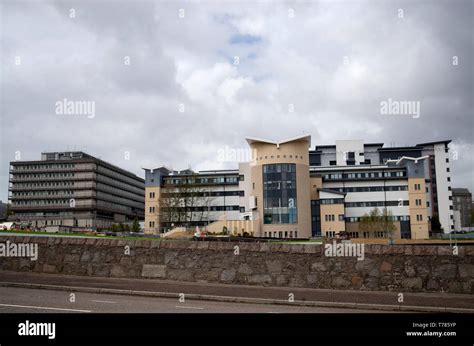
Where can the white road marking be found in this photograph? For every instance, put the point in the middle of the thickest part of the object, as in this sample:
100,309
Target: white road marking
104,301
42,308
189,307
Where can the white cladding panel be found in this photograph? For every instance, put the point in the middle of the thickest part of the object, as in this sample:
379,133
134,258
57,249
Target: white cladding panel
442,187
345,146
358,212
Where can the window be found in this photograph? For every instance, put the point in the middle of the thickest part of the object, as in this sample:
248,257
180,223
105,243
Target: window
152,209
341,217
279,194
152,223
332,163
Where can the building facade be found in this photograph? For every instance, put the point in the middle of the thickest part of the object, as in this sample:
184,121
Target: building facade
187,198
74,190
288,190
462,202
3,211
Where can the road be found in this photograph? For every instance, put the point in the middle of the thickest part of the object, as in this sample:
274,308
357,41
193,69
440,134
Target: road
25,300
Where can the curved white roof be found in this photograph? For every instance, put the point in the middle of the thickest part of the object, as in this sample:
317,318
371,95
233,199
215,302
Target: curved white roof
307,138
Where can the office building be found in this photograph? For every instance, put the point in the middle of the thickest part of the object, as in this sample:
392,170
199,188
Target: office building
462,202
74,190
289,190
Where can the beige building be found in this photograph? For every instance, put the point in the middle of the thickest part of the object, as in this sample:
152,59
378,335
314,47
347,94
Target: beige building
288,191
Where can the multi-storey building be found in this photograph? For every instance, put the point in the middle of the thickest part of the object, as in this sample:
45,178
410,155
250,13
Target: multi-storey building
187,198
3,211
462,201
75,190
289,191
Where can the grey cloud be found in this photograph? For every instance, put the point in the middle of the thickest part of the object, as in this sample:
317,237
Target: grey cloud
176,60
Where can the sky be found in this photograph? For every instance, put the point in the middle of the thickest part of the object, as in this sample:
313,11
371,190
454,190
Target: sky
178,83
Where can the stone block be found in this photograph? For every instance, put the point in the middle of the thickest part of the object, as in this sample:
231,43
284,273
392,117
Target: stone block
412,283
154,271
48,268
260,279
318,267
228,275
273,266
445,271
466,270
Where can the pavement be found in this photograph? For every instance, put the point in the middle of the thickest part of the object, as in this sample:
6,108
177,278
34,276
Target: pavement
241,294
29,300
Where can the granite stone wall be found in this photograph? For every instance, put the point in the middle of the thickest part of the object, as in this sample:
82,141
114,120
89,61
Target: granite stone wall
415,268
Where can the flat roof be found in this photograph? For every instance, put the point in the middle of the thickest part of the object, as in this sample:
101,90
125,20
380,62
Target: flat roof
400,148
85,158
447,141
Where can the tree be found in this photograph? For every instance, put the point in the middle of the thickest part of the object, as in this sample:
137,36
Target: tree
388,227
377,221
114,227
364,223
184,203
135,225
371,222
436,225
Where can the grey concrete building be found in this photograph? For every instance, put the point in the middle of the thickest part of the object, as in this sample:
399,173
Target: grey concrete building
74,190
3,211
462,202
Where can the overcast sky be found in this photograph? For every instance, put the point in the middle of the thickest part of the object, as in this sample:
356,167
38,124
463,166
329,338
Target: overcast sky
175,82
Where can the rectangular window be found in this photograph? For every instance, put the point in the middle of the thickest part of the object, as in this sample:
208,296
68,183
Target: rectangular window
341,217
279,194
